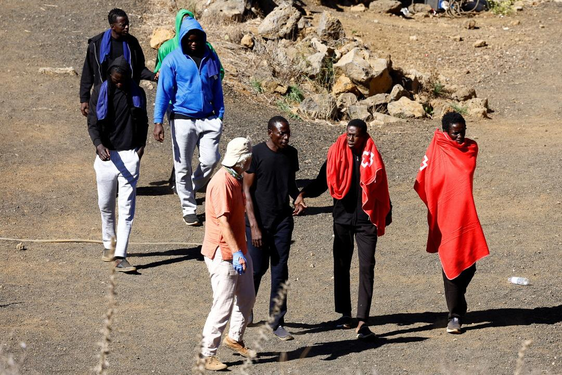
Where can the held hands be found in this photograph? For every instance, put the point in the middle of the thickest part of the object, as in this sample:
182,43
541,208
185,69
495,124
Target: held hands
239,262
299,205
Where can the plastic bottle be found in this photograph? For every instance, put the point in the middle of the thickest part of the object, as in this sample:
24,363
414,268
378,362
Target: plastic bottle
519,280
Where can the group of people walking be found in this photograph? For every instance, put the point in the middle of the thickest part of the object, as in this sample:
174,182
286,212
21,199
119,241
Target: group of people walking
248,212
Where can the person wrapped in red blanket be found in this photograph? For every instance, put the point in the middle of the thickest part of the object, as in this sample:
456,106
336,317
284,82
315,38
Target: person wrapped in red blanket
355,175
444,183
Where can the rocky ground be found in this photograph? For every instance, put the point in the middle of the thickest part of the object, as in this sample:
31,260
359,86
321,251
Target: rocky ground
53,295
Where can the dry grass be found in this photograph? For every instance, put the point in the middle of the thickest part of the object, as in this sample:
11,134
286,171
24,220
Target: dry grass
103,363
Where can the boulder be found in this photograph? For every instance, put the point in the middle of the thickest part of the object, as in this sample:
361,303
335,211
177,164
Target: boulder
358,8
344,85
330,28
386,6
281,23
406,108
476,107
320,106
382,119
159,36
397,92
232,9
346,100
354,66
480,43
462,93
376,103
380,81
441,107
358,111
247,41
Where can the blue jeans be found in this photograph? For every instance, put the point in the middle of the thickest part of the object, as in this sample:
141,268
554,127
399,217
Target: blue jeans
276,245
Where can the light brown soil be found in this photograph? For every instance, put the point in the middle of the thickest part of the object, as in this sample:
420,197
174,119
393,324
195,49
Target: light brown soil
53,296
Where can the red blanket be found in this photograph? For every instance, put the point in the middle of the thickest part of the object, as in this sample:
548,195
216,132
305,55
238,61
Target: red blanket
374,184
444,184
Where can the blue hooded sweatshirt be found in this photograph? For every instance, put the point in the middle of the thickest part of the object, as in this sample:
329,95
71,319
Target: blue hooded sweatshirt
194,92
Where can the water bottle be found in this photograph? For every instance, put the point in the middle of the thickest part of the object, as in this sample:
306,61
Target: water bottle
519,280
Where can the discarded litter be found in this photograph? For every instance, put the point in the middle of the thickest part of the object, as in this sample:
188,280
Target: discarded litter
519,280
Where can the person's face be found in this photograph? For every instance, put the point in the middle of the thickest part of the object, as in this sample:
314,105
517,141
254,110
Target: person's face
356,138
457,132
194,42
121,26
118,80
280,135
246,165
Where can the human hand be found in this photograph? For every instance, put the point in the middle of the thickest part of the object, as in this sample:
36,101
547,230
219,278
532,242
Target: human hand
103,152
239,262
158,132
140,152
256,237
84,108
299,208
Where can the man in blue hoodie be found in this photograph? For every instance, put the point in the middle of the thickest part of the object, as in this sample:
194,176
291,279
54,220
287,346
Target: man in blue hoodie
190,80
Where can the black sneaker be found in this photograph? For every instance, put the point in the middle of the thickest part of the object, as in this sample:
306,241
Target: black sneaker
191,220
344,322
454,326
365,333
123,265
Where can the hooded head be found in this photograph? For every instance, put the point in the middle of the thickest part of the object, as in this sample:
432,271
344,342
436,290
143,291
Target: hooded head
193,38
119,72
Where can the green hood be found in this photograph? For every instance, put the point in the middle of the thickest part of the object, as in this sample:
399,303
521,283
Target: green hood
179,18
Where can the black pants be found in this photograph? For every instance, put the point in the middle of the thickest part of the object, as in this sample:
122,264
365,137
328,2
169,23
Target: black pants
366,238
455,290
276,243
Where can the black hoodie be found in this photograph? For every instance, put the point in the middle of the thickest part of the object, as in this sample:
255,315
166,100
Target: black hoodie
125,126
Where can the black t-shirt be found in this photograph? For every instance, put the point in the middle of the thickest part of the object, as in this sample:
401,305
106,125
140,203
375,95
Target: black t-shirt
274,182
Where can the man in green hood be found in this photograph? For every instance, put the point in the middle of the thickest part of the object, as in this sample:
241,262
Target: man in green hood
171,44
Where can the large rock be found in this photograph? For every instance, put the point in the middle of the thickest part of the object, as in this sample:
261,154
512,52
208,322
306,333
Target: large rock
397,92
382,119
233,9
321,106
354,66
477,107
406,108
359,111
281,23
345,100
376,103
330,28
247,41
386,6
343,84
159,36
380,81
462,93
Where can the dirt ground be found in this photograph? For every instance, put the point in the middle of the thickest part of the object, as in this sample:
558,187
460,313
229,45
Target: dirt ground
53,296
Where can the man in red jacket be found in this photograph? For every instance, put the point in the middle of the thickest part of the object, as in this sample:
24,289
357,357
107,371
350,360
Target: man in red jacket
444,184
356,177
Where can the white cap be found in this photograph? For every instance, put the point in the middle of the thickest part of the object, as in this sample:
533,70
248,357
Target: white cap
235,150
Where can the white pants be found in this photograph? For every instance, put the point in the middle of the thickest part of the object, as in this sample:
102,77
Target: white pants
233,298
122,169
186,135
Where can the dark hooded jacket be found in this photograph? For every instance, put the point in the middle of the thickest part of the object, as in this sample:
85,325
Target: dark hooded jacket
94,73
125,125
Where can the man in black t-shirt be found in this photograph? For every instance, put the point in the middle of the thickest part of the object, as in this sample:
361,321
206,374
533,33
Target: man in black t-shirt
270,181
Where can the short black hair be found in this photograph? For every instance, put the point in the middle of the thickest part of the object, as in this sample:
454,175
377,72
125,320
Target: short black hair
359,124
452,118
276,120
114,14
